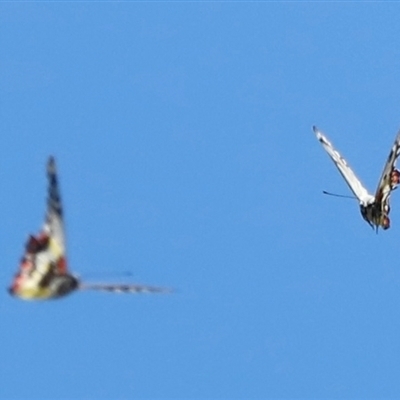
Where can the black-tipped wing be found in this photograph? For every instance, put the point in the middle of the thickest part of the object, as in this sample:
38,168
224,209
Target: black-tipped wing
387,182
124,288
350,177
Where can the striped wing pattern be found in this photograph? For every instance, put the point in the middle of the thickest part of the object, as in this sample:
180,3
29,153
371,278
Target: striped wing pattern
374,209
43,271
388,182
349,176
54,223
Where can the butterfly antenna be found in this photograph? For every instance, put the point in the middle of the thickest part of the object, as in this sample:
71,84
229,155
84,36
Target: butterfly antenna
339,195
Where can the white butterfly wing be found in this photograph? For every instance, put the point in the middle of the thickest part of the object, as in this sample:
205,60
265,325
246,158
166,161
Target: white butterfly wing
54,223
350,177
385,185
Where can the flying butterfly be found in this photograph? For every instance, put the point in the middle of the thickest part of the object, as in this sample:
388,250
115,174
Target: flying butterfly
43,271
374,209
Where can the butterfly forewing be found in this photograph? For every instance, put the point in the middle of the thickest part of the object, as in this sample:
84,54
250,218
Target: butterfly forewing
350,177
42,272
387,183
54,223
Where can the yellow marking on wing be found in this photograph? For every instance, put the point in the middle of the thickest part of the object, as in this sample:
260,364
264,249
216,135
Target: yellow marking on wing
32,293
56,248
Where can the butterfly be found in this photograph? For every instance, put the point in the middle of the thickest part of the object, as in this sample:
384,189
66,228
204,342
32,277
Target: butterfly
374,209
43,270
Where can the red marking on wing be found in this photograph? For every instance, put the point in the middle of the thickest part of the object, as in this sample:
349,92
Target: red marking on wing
62,265
395,178
18,280
26,265
37,243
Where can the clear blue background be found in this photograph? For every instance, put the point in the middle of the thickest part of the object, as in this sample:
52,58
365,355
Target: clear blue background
182,133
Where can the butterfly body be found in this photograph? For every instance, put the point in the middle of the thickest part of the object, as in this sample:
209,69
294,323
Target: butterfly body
374,209
372,213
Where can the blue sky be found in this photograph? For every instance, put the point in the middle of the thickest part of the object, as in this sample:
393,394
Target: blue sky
182,133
